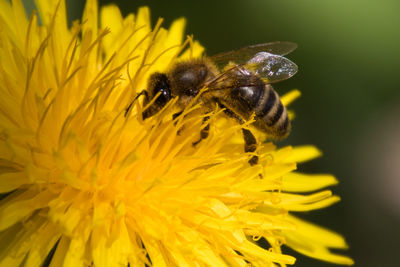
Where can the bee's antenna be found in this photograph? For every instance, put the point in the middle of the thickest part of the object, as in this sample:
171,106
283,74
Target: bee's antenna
143,92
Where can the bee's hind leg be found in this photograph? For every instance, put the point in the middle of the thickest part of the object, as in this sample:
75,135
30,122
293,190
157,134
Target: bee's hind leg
250,145
250,141
204,132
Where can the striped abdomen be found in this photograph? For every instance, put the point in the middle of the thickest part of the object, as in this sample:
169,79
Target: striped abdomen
271,115
250,95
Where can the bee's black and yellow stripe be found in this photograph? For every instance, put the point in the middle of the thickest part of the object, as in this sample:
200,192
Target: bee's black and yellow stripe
271,115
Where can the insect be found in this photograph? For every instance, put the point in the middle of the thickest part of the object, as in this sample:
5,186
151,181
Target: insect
238,81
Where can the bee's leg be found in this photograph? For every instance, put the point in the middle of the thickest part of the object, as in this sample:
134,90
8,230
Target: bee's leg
250,145
250,141
204,132
143,92
176,115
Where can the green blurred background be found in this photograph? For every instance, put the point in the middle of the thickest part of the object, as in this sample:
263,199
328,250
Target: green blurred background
349,59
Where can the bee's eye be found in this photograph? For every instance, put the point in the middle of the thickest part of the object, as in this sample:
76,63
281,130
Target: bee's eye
160,84
203,73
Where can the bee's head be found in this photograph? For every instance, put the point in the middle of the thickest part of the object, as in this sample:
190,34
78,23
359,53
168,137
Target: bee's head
159,83
187,78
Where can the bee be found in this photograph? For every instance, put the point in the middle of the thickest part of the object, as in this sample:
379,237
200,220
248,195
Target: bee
238,81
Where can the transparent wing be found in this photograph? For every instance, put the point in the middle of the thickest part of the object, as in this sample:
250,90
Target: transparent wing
269,67
242,55
272,68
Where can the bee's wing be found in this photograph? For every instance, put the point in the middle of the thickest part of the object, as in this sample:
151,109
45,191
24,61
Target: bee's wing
272,68
232,77
242,55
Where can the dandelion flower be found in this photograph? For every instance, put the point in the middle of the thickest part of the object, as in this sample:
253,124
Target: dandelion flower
84,185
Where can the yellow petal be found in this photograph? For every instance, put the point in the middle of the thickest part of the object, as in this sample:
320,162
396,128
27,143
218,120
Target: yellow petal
263,221
154,251
20,205
59,254
289,97
277,170
76,248
143,20
176,32
314,241
313,206
111,17
14,250
194,51
45,238
12,180
256,251
114,250
303,153
319,234
291,199
7,19
90,18
300,182
20,20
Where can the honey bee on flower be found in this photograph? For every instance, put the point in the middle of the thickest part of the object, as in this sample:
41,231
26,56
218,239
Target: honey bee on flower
242,89
84,182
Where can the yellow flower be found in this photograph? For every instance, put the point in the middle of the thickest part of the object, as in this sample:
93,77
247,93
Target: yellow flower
95,187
